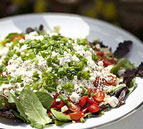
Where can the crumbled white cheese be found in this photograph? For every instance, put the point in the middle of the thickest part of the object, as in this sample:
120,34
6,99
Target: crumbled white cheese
75,58
100,63
8,44
6,88
113,101
97,46
3,51
6,92
54,54
91,63
87,54
16,48
21,41
34,35
108,89
79,49
58,100
86,69
67,58
23,48
106,51
17,67
75,97
64,108
121,72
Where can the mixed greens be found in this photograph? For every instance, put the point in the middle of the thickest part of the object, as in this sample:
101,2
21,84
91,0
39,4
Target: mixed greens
46,78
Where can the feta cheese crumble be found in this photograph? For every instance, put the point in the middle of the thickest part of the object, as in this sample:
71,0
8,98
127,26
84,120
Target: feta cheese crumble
42,61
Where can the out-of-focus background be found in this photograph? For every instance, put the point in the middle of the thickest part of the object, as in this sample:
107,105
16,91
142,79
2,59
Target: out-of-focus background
127,14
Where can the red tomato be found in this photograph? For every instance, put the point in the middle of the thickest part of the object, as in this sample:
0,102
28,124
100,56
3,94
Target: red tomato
54,104
90,101
99,97
93,108
49,113
18,37
113,61
74,108
89,90
99,53
83,101
60,104
107,62
88,43
99,58
112,81
56,95
94,91
76,115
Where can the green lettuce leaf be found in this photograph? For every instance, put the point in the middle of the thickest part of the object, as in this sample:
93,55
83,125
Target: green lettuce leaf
33,108
13,99
132,86
60,116
117,88
124,63
45,99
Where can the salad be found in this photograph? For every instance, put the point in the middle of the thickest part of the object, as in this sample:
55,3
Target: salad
46,78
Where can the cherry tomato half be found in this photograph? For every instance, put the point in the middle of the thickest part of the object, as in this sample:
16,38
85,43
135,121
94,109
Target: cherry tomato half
18,37
54,104
112,80
83,101
113,61
74,107
99,97
99,53
90,101
107,62
76,115
99,58
60,104
88,43
89,90
56,95
93,108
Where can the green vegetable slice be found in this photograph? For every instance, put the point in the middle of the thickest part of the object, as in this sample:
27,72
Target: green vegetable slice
132,86
45,99
33,108
124,63
58,123
63,97
117,88
60,116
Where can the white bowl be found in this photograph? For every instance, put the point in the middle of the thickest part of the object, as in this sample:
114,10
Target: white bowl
79,26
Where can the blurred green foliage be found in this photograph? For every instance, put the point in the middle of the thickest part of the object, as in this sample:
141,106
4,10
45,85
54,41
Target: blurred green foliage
107,10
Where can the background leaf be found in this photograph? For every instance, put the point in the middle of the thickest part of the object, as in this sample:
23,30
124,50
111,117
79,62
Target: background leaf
33,108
